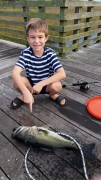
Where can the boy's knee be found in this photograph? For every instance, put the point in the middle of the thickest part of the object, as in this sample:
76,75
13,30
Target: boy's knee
57,87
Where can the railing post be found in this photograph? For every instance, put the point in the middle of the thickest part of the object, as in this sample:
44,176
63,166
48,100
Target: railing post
99,34
25,10
89,9
26,17
63,23
41,12
77,21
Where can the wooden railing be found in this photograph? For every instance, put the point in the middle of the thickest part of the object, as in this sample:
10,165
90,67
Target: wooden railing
72,23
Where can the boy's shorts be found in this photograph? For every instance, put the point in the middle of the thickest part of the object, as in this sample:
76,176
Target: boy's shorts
43,91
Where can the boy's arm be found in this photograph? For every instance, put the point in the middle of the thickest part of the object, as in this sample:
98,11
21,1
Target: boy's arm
16,74
59,75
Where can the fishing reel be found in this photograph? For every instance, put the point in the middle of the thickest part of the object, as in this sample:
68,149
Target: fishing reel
84,87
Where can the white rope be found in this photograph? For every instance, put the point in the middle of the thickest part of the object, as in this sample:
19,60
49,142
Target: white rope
81,152
82,155
26,156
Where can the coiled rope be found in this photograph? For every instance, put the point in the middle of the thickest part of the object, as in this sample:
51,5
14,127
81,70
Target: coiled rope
81,152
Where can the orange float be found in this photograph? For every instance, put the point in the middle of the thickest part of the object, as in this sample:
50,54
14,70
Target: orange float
94,106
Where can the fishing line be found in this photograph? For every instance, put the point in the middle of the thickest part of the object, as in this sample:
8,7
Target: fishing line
26,167
81,152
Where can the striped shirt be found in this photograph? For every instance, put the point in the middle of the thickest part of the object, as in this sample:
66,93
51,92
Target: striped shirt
39,68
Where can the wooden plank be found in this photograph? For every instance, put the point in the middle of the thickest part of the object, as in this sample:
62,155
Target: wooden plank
73,36
86,67
10,51
58,28
3,49
9,62
81,15
3,176
81,25
75,95
16,23
5,75
7,65
69,16
83,58
13,39
52,3
12,31
7,81
7,69
10,44
10,54
96,76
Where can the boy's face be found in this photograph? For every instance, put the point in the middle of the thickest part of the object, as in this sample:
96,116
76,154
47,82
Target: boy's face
37,40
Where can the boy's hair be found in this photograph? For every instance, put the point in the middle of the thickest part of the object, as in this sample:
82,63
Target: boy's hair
37,24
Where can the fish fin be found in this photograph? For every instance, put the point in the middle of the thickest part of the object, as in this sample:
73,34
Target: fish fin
43,130
90,153
47,126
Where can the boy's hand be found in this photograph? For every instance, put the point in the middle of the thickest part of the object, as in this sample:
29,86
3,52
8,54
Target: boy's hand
31,103
29,99
37,88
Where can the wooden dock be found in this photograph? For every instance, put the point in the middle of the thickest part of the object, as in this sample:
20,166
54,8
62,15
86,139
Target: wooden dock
84,65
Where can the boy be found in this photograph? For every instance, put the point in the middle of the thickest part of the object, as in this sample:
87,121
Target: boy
43,69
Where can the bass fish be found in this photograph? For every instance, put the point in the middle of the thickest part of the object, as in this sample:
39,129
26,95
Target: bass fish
42,137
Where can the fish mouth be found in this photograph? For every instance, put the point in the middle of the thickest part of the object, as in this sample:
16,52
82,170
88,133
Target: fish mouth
16,131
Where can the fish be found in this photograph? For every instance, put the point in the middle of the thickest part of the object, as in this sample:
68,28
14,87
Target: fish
42,137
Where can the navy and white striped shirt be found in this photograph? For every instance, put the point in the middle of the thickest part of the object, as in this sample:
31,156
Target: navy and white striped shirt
39,68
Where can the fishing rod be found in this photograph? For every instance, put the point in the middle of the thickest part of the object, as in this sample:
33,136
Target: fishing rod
83,85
